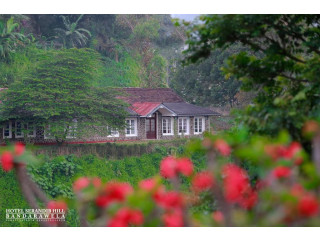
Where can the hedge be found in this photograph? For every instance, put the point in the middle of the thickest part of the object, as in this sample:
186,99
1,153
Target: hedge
110,150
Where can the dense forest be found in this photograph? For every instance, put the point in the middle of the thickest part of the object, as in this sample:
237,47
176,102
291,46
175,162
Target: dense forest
262,171
135,51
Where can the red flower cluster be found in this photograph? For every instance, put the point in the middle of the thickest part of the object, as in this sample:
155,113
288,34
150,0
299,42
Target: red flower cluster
281,172
113,191
170,200
7,161
170,167
19,149
148,184
80,184
202,181
276,151
223,147
53,205
125,217
237,187
308,205
159,194
173,218
185,166
218,216
7,157
57,205
84,182
248,199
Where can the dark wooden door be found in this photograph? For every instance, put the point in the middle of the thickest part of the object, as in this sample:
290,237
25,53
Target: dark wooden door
151,127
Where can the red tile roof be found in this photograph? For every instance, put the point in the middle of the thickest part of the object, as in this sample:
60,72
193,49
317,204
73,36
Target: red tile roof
143,108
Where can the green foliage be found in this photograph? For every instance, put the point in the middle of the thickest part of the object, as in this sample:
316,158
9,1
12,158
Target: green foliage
140,35
52,175
56,175
284,69
157,72
125,72
204,83
136,47
19,64
10,39
146,30
71,35
11,198
58,88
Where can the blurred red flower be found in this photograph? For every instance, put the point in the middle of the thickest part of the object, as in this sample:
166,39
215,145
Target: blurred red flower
57,205
80,184
126,216
7,161
147,184
218,216
19,148
118,190
113,191
281,172
173,218
308,205
249,199
202,181
96,182
171,199
276,151
235,182
185,166
222,146
103,200
168,167
292,150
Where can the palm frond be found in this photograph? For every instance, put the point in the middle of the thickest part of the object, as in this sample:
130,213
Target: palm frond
11,25
66,22
85,30
79,18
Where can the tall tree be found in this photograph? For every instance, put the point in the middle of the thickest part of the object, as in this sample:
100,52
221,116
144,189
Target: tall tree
71,35
10,39
59,90
205,84
141,32
284,70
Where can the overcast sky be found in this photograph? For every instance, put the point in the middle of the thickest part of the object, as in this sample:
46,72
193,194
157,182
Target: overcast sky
187,17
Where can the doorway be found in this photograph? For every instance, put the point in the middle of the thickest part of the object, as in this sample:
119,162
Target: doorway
151,127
